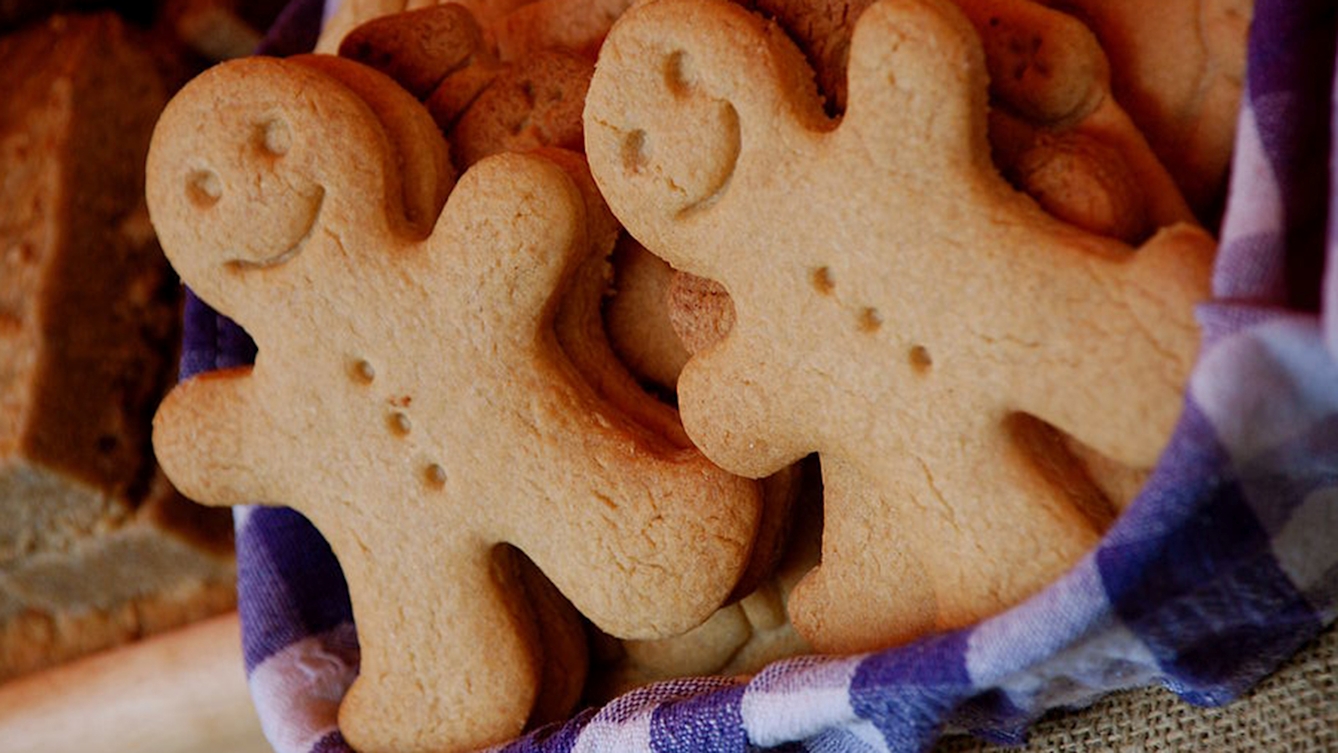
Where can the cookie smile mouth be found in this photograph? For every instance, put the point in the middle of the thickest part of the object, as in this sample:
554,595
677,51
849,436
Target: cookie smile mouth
293,249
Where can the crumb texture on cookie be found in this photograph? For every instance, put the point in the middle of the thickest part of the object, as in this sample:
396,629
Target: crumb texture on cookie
896,303
410,396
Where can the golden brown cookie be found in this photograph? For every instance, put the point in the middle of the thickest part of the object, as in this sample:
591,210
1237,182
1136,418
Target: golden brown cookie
743,637
637,315
575,25
410,398
1178,67
579,321
1050,88
700,311
897,301
417,48
353,13
1069,144
513,29
533,102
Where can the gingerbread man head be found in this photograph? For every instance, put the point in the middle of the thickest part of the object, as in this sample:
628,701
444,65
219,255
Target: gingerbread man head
410,397
900,308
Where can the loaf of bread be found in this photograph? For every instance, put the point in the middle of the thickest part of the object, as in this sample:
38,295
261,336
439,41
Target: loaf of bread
95,548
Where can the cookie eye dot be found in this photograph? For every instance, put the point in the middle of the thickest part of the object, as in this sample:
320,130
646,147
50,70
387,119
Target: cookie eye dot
870,321
635,155
823,281
400,423
363,371
920,359
435,475
274,137
679,76
204,188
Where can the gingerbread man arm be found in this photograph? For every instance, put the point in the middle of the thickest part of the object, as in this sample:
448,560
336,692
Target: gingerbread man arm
1145,309
212,439
621,560
511,222
902,54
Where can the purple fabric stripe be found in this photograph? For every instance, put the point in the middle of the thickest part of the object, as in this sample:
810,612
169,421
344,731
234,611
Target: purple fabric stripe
295,30
558,737
331,743
1197,582
992,716
706,722
908,693
1217,320
1290,76
276,549
211,341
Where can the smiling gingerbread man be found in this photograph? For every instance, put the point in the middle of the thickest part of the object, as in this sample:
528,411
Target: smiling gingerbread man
409,395
900,308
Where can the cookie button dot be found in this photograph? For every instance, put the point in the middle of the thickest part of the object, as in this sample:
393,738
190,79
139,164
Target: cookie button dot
870,321
823,282
363,371
920,359
436,475
400,423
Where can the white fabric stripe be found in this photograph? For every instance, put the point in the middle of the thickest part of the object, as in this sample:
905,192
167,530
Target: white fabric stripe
798,699
626,736
1265,385
297,691
859,738
868,734
1110,659
1033,631
1305,546
241,515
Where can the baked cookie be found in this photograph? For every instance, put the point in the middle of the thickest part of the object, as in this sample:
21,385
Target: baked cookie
418,48
1057,131
1178,67
513,29
533,102
741,638
897,303
410,398
637,315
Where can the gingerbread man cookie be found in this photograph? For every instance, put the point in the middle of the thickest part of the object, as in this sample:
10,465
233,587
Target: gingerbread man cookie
898,304
409,396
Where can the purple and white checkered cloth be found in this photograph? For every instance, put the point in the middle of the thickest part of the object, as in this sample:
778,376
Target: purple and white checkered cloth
1224,566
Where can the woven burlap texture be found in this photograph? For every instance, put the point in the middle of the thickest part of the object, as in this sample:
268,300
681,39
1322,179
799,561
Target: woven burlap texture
1295,709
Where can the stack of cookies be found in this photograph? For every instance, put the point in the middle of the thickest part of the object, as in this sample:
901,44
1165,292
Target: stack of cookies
718,332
